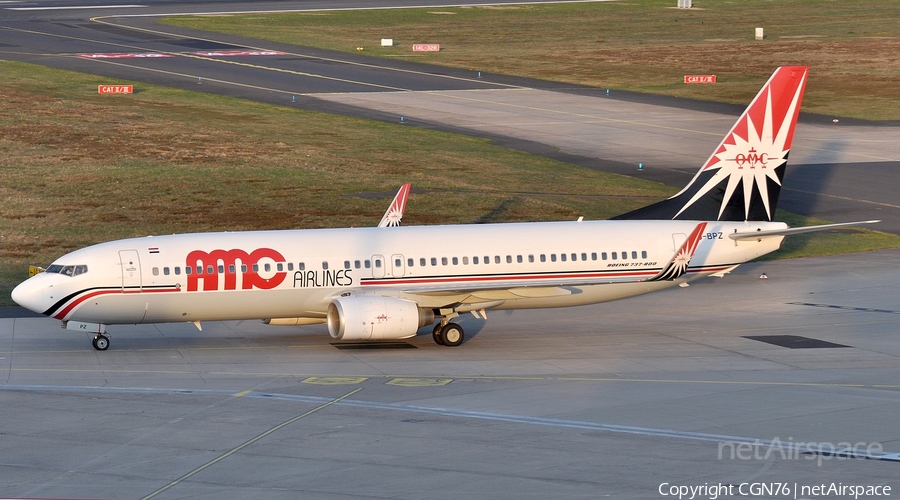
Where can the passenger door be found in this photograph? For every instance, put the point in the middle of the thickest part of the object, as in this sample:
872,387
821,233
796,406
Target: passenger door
131,270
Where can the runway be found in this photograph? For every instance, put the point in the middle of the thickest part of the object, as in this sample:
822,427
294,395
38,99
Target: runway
793,379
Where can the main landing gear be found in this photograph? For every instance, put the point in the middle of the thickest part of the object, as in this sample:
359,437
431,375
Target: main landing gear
449,334
101,341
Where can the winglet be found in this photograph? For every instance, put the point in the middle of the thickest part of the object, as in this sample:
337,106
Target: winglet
398,206
679,263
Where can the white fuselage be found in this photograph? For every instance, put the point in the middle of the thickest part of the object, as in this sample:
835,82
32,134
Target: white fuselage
298,273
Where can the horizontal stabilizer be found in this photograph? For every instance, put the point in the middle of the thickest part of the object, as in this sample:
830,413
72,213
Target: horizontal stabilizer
752,235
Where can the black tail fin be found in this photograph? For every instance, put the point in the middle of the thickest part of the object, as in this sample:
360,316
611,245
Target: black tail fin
742,179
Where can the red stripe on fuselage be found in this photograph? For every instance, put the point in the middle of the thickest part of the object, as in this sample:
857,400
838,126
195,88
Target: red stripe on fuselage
483,279
79,300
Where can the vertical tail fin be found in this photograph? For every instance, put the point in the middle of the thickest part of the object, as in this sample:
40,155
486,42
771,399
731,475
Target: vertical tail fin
741,180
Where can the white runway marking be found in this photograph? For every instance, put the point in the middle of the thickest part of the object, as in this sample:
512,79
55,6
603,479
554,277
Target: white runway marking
74,7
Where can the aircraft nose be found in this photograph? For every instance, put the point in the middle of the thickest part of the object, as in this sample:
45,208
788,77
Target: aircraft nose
30,294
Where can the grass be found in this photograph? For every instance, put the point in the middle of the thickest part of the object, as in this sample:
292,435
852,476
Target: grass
647,46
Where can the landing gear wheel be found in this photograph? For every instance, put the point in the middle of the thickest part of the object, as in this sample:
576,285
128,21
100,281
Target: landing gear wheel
100,342
452,335
436,334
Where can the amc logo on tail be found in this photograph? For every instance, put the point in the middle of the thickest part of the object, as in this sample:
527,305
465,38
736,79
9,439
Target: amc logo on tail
752,159
246,265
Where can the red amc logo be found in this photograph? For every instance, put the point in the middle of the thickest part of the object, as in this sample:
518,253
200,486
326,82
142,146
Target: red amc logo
752,159
246,264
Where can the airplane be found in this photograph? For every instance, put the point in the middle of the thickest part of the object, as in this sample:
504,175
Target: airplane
374,284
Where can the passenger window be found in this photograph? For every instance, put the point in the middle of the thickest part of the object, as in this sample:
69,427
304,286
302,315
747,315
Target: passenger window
584,256
509,259
603,255
455,261
496,259
279,267
357,264
643,254
290,266
593,255
410,262
422,261
475,260
443,261
155,271
268,267
433,261
624,255
633,254
562,257
210,270
178,271
230,269
221,269
614,256
244,268
552,257
377,264
165,271
188,270
487,259
543,258
255,268
465,261
346,264
531,258
367,264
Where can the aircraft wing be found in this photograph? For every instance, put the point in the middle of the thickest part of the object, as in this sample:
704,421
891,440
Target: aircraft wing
398,206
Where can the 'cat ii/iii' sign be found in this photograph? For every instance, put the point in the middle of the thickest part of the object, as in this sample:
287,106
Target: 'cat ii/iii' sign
115,89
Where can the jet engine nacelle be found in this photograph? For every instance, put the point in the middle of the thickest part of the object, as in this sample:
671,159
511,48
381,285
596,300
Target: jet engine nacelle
371,317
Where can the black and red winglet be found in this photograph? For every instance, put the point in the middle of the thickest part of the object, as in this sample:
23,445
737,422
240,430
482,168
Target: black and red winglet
679,263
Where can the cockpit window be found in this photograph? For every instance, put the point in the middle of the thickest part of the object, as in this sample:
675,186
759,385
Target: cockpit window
67,270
